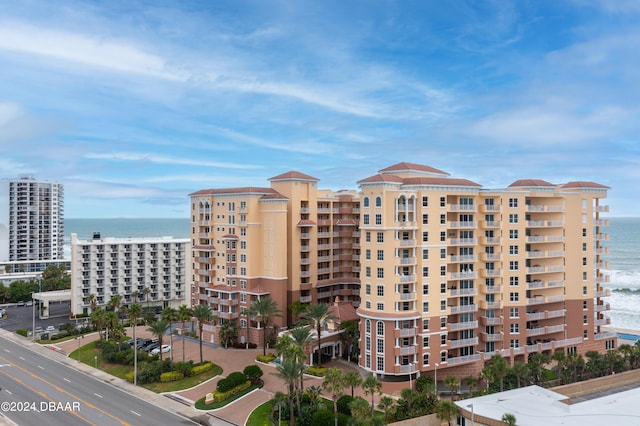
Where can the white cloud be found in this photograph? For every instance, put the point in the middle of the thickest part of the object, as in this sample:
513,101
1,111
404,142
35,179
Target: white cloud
114,55
161,159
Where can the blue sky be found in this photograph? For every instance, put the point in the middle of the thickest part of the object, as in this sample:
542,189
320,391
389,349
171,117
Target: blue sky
133,105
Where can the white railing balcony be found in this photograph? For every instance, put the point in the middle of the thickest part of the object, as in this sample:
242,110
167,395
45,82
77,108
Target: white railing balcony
324,270
535,253
555,268
490,207
407,260
492,240
490,305
491,256
534,223
488,337
407,368
555,253
305,261
463,275
463,292
305,299
554,223
463,309
491,224
305,210
604,279
535,300
407,296
555,328
601,308
552,299
463,224
407,332
556,313
490,289
557,283
492,320
602,321
602,237
535,284
464,359
407,278
602,251
462,207
463,241
536,331
305,274
407,243
602,209
605,335
535,269
464,258
453,344
467,325
602,265
535,239
535,208
322,295
407,350
602,293
536,316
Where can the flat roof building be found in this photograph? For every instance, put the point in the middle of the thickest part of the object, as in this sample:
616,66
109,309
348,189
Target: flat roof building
151,271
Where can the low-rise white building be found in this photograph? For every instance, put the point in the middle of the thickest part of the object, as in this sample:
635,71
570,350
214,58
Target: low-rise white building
150,271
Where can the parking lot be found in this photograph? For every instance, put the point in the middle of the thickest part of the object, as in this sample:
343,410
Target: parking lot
21,317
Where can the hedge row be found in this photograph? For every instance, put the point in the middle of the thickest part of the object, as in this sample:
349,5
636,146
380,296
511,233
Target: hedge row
221,396
316,371
230,382
266,358
201,368
171,376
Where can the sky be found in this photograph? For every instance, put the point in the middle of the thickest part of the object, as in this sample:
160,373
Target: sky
133,105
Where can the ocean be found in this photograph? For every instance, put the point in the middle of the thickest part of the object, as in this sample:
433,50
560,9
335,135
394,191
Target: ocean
624,255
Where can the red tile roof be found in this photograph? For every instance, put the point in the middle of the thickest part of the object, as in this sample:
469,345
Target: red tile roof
528,183
382,178
343,311
306,222
404,166
242,190
424,180
582,184
293,175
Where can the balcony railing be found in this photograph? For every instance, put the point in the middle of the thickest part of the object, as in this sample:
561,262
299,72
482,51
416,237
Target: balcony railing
463,342
467,325
463,309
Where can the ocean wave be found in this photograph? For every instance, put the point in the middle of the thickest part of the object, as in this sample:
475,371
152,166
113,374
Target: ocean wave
623,279
626,290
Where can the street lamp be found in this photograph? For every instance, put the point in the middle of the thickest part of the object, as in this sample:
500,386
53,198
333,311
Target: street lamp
33,325
435,378
78,339
471,406
95,360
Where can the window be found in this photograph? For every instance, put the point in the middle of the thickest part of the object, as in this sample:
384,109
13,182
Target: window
425,307
584,232
367,236
585,305
443,322
514,328
380,237
368,360
367,326
425,219
378,202
367,304
380,291
443,253
425,271
443,219
425,324
584,276
367,271
367,254
514,297
513,250
443,271
425,201
514,343
365,202
367,343
365,219
585,334
584,246
380,306
514,281
513,202
443,356
425,254
584,290
380,363
378,219
367,289
443,201
443,236
514,312
425,289
513,218
443,288
380,255
380,273
380,346
585,320
443,305
425,237
513,265
380,328
513,234
584,261
425,359
425,342
443,339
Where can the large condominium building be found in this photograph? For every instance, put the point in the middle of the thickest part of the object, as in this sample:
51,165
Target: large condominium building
32,227
151,271
453,273
444,272
290,242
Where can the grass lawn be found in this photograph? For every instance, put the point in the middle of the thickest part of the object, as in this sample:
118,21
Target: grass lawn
89,354
260,416
200,405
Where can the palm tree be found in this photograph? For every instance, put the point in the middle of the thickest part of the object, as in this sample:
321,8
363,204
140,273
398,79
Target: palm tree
371,385
318,314
509,419
115,303
135,310
288,370
158,328
314,393
386,404
146,291
170,315
229,333
499,369
352,379
93,303
334,383
471,382
247,312
98,318
447,410
301,337
521,371
202,313
184,314
265,308
453,383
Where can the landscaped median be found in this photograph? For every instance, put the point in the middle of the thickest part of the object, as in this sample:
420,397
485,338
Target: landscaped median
232,387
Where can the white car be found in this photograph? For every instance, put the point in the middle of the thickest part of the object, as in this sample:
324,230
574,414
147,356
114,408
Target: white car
38,329
164,349
51,328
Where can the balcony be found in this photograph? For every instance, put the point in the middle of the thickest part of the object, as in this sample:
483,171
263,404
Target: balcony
407,296
602,321
463,241
602,293
453,344
407,368
605,335
490,305
491,224
463,224
406,350
463,359
535,284
463,309
453,292
305,299
457,326
228,302
405,332
228,315
407,260
462,207
602,307
495,337
464,258
407,278
490,289
463,275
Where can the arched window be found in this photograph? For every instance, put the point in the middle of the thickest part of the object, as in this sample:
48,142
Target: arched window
365,202
367,326
378,201
380,328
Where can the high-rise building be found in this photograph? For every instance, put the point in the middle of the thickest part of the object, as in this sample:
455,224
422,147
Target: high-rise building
453,273
290,242
32,222
151,271
444,273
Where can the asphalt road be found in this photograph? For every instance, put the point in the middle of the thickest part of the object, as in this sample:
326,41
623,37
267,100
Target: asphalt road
39,390
21,317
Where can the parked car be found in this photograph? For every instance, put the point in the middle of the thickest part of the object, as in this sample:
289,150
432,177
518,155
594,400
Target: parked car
142,343
29,303
38,329
164,349
20,303
51,328
150,347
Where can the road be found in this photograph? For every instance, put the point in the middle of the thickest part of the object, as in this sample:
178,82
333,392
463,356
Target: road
40,390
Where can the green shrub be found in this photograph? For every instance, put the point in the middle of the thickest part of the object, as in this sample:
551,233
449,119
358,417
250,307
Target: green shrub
129,377
316,371
343,404
234,379
171,376
198,369
22,332
186,368
253,373
221,396
266,358
322,418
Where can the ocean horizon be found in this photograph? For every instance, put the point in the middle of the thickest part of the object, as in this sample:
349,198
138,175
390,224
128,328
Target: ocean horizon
623,257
